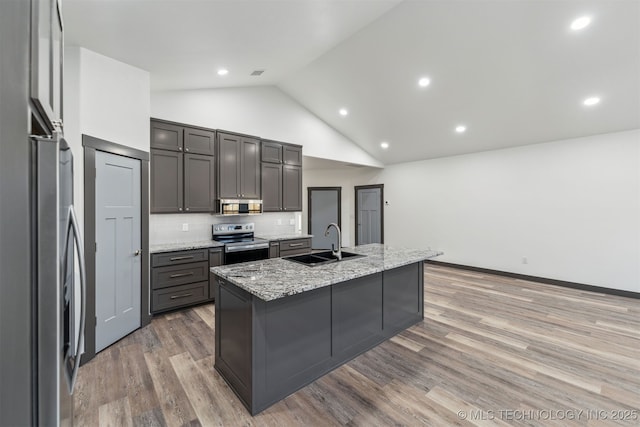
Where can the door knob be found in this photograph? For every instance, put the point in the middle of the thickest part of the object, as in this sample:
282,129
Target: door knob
138,252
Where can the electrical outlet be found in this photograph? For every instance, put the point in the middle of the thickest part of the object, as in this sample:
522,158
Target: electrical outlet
525,260
185,227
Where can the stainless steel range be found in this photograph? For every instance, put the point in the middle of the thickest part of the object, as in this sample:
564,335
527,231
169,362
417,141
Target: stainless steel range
240,245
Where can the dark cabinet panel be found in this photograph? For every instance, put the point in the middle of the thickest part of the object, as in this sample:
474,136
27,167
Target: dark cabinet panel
292,155
238,167
179,296
199,141
271,152
178,257
228,166
250,168
291,188
199,183
274,250
271,187
166,181
166,136
402,301
164,277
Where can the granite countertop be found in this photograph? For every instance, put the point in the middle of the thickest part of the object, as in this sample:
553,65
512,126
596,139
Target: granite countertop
278,237
277,278
184,246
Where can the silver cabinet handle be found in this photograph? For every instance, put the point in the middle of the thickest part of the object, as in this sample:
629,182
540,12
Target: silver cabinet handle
173,276
180,296
179,148
186,149
187,209
176,258
73,224
294,245
180,209
138,252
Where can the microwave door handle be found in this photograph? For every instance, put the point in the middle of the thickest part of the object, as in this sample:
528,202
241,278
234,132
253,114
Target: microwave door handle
79,246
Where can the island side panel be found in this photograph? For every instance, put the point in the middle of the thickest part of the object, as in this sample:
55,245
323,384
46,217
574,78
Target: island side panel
233,334
292,344
357,316
403,298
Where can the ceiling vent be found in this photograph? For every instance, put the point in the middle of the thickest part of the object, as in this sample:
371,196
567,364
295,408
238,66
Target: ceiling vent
257,72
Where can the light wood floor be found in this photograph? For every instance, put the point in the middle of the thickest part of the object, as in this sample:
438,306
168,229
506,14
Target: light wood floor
490,351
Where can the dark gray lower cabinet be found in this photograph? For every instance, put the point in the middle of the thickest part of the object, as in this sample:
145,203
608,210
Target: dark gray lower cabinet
267,350
216,258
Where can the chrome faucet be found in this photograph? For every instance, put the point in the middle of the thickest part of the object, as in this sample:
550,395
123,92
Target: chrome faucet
335,253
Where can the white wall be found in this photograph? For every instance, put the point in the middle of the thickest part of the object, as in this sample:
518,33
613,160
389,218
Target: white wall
571,207
106,99
264,111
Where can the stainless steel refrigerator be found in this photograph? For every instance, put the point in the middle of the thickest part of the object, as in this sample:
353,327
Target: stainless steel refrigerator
41,253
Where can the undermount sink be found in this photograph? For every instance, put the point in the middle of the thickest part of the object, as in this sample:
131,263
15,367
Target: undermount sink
321,258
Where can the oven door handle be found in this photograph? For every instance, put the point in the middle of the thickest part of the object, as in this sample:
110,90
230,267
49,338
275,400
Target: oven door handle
243,248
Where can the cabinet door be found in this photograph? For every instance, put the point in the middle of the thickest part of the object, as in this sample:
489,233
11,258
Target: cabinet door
228,166
291,188
292,155
271,152
250,168
198,141
271,187
199,183
166,181
166,136
274,250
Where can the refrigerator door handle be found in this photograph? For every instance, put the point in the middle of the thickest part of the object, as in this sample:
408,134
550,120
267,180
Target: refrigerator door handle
79,246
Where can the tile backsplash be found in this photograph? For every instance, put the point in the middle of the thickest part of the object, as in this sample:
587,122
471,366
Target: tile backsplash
168,228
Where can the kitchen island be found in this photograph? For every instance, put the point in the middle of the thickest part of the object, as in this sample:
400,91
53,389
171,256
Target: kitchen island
280,325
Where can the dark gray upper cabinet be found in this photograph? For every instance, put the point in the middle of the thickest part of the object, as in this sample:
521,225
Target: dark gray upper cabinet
182,182
166,181
271,152
199,183
166,136
281,176
238,166
292,155
199,141
271,187
291,188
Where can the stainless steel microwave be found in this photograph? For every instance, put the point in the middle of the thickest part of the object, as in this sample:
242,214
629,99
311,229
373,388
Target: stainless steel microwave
240,207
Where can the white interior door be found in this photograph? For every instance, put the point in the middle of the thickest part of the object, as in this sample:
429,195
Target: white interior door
369,220
118,246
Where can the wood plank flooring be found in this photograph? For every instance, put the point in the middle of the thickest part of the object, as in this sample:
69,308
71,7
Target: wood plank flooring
490,351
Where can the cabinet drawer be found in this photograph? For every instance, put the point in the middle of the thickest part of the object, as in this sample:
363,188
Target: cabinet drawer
182,257
178,296
163,277
296,251
287,245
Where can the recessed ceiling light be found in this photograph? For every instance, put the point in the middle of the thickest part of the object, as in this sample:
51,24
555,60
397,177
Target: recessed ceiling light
592,100
580,23
223,72
343,112
384,145
424,82
461,128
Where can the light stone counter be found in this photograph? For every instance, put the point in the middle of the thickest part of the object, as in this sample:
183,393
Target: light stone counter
184,246
277,278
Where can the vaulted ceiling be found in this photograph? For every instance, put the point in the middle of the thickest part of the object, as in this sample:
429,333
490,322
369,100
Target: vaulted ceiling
511,72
